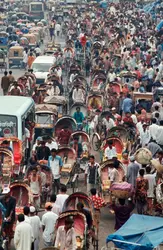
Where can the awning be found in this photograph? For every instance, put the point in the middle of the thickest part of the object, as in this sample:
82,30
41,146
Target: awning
140,232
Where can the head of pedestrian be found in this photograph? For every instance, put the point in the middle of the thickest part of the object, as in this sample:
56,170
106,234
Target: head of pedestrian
68,223
153,121
110,144
10,72
145,125
92,159
76,139
93,191
43,143
5,73
53,152
80,206
49,139
122,202
39,140
21,217
132,158
31,54
53,198
48,206
116,164
78,109
141,172
32,210
148,169
161,123
34,171
26,211
63,189
97,111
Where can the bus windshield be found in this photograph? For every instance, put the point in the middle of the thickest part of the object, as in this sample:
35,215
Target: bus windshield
36,7
44,119
8,126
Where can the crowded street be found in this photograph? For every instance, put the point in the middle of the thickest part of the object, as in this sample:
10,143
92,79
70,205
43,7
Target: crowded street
81,125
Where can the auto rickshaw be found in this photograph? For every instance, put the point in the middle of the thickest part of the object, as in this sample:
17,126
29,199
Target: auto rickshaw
3,40
61,103
15,56
45,117
32,40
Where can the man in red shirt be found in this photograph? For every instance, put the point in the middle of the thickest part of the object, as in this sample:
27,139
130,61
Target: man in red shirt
64,136
98,203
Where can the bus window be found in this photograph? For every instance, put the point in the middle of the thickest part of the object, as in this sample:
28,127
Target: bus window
23,127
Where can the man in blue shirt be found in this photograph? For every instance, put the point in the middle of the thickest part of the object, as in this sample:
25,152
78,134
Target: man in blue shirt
55,164
127,104
78,116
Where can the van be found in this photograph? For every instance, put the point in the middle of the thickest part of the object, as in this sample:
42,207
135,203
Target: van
41,66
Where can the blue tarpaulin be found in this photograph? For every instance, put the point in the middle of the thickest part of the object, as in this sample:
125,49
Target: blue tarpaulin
159,26
140,232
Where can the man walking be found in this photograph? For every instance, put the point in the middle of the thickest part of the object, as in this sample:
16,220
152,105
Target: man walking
48,224
5,83
91,173
36,226
55,164
23,237
132,171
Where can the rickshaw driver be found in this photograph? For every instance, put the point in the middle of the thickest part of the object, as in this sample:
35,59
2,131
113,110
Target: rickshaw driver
64,136
79,117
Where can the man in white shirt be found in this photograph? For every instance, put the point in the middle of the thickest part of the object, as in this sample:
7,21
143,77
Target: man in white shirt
113,172
159,137
153,129
36,226
48,225
56,208
55,164
108,122
25,59
151,187
62,197
110,151
37,144
51,144
78,95
145,135
23,236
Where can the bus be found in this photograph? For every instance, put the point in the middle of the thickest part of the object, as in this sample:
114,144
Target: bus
15,113
36,11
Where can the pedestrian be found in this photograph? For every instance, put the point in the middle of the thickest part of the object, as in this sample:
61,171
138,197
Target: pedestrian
36,227
15,90
43,152
55,164
51,143
34,181
31,59
97,203
9,203
48,225
25,58
110,150
26,212
37,51
132,171
127,104
66,237
5,83
87,213
51,31
151,189
62,197
58,29
145,135
153,129
11,77
91,174
56,208
141,192
122,212
23,236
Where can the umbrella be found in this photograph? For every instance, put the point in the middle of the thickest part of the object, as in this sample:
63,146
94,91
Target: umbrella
140,232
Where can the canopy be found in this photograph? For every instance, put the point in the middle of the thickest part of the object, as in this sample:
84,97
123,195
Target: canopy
140,232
